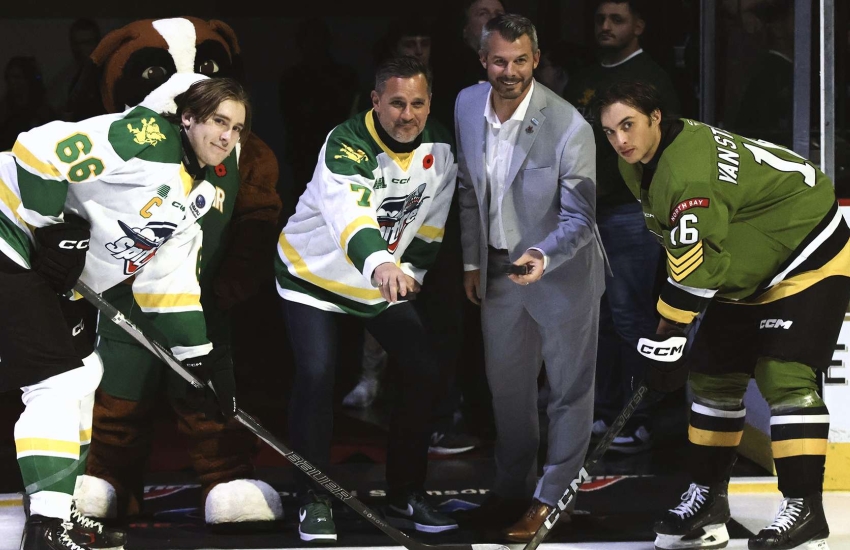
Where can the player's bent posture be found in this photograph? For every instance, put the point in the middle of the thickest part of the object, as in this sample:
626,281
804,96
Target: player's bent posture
101,200
755,240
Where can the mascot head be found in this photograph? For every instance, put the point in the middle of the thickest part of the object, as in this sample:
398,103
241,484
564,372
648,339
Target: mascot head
132,61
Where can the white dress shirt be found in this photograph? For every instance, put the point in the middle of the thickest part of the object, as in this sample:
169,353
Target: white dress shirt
500,140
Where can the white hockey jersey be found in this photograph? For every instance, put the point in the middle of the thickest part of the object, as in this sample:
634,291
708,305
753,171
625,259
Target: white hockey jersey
123,173
366,205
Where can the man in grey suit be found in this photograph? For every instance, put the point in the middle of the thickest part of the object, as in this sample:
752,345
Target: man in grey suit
533,259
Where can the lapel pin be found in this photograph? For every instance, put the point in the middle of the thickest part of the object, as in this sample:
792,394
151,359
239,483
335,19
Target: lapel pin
535,121
529,130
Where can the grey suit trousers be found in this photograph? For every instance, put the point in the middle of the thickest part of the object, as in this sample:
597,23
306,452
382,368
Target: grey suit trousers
515,348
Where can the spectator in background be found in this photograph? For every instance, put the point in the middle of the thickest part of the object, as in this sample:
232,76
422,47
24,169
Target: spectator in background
767,104
628,310
456,58
559,62
308,117
24,105
74,103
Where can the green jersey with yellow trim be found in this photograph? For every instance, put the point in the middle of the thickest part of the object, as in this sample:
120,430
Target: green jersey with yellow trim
366,205
737,217
123,173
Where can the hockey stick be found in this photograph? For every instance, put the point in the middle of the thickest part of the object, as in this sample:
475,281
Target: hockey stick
591,460
249,422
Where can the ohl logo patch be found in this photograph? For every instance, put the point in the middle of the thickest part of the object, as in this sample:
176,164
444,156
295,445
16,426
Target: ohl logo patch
138,245
396,213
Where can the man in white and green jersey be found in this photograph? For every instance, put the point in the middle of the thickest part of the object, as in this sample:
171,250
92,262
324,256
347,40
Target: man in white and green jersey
756,244
99,201
363,235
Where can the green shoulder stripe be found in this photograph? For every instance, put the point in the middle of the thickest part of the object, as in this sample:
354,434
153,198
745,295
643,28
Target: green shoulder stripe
14,236
421,254
45,196
350,151
363,244
145,134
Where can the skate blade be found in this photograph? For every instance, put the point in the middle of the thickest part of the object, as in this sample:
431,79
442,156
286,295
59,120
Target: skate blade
706,538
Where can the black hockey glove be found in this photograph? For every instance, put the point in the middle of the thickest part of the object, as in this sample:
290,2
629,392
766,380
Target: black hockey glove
217,368
666,369
60,252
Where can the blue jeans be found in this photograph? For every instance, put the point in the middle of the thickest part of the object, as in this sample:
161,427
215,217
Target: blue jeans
627,309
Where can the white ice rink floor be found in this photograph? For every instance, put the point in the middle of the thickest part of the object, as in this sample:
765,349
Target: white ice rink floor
753,510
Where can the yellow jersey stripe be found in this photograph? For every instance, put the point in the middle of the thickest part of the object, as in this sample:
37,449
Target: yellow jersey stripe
10,199
301,269
678,315
187,180
168,300
350,229
402,159
25,156
432,233
837,266
36,444
681,260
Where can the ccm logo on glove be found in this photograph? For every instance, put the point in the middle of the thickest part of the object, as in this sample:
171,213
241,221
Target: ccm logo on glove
668,351
71,245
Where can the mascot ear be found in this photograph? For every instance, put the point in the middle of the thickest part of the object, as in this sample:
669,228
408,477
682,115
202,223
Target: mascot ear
101,56
229,36
110,44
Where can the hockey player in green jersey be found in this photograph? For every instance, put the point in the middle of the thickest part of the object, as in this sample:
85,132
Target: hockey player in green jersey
364,233
755,243
98,201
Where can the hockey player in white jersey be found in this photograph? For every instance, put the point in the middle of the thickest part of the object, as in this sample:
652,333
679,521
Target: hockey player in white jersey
99,201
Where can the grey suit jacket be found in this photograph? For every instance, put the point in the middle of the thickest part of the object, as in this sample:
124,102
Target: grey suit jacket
549,201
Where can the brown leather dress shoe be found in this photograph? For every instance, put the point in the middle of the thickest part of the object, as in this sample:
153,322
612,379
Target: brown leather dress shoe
524,529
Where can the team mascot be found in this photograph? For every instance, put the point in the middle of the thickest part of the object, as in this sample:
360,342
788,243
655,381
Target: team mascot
240,232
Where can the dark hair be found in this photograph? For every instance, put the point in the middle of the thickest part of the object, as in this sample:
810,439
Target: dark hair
204,96
399,28
85,24
403,66
634,93
511,27
466,4
634,6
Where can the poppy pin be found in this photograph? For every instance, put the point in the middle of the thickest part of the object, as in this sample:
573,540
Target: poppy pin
428,161
220,170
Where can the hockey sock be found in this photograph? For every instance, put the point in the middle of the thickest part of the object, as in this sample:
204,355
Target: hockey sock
714,435
716,425
799,425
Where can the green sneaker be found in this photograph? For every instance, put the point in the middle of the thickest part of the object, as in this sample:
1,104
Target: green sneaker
316,520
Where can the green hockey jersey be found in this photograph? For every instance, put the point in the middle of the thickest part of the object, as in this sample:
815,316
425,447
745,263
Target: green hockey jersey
740,219
366,205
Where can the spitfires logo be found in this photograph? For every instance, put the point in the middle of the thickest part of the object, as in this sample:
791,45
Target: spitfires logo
139,244
396,213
